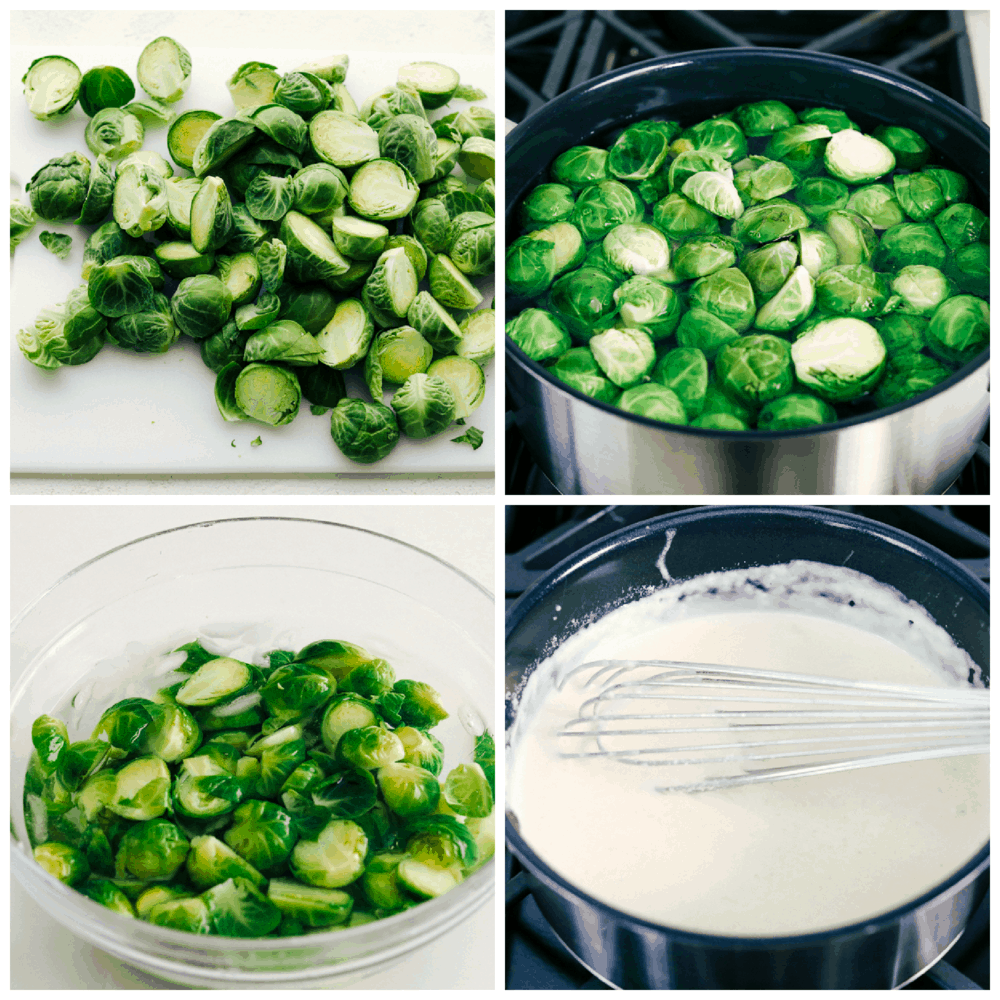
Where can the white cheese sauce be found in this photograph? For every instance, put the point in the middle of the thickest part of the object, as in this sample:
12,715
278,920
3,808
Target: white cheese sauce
790,857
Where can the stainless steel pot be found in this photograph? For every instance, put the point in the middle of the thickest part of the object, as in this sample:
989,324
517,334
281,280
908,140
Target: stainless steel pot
881,953
586,447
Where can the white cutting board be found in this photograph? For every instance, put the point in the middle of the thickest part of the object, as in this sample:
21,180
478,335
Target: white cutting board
130,413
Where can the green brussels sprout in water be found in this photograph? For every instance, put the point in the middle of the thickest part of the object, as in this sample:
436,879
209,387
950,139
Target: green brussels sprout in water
421,705
408,790
211,862
467,792
369,748
653,401
910,149
817,251
907,377
727,295
334,859
794,412
755,368
578,369
312,906
968,268
877,203
852,290
834,120
720,135
853,236
635,248
715,193
625,356
770,220
759,179
909,243
764,117
839,359
602,206
364,432
262,834
684,371
637,153
421,749
679,218
919,289
819,196
62,861
800,147
142,789
580,166
584,301
918,195
959,329
540,334
704,331
960,224
703,255
769,267
545,204
856,158
647,303
154,849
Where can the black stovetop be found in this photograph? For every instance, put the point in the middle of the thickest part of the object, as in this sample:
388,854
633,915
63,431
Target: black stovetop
540,536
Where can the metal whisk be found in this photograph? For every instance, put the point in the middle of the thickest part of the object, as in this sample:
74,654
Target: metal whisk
646,712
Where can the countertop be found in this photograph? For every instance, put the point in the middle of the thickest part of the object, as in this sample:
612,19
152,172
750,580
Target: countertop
48,540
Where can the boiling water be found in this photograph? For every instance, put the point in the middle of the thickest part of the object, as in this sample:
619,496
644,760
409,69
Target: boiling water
791,857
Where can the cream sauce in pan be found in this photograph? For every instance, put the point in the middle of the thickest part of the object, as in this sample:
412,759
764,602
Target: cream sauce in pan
791,857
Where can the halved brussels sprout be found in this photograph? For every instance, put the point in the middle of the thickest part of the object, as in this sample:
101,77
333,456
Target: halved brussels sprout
312,906
625,356
910,149
382,190
164,69
653,401
210,862
839,359
62,861
312,254
791,304
578,369
142,789
449,286
268,394
715,193
408,790
335,858
727,295
920,289
285,341
959,329
370,747
856,158
346,338
237,908
71,333
764,117
51,86
140,200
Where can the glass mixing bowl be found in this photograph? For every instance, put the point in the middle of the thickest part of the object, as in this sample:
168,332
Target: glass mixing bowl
305,580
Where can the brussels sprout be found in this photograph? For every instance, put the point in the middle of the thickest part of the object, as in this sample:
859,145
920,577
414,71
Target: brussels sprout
715,193
434,323
394,356
201,306
839,359
478,340
835,121
427,880
63,862
684,371
578,369
314,907
434,82
471,237
151,112
51,86
764,117
703,255
760,179
369,748
625,356
413,249
727,295
204,787
580,166
421,706
100,192
258,315
210,862
311,306
154,849
692,162
653,401
335,858
819,196
755,368
382,189
467,791
421,749
237,908
164,69
285,341
769,267
114,133
602,206
902,333
852,290
345,339
918,195
424,405
296,690
343,713
545,204
800,147
638,153
636,248
22,221
252,85
911,375
793,412
220,141
720,422
530,263
158,894
390,288
50,739
719,135
853,237
262,834
59,189
919,289
268,394
877,204
241,276
186,914
142,789
216,681
960,224
856,158
123,285
449,286
678,218
140,200
959,329
381,885
702,330
408,790
411,142
172,733
770,220
364,432
953,186
71,333
968,268
909,243
643,302
910,149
